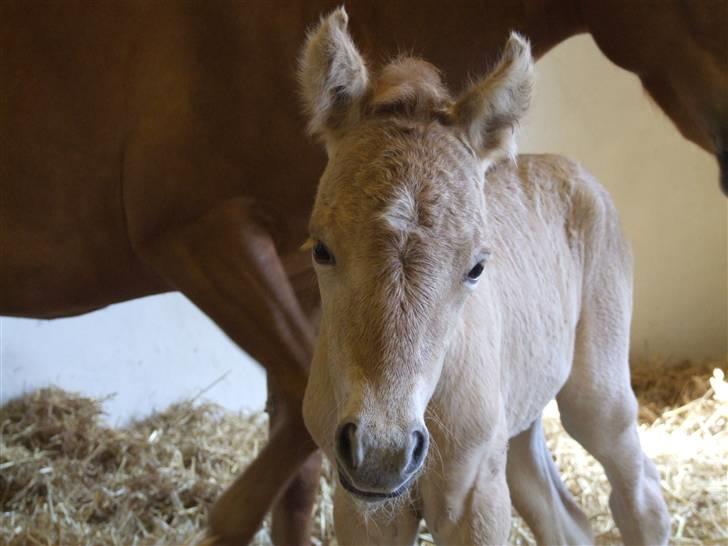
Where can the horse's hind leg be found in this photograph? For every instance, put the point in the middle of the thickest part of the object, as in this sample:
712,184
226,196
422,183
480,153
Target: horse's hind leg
292,510
538,494
599,409
228,266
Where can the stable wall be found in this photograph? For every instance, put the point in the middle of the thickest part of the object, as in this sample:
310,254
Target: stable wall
665,188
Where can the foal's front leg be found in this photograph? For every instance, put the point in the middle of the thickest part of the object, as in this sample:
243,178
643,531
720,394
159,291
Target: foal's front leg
357,523
468,501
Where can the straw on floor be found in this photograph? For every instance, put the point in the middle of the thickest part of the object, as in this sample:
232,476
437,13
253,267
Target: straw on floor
66,479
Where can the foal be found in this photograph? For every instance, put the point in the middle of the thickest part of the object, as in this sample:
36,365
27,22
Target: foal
461,292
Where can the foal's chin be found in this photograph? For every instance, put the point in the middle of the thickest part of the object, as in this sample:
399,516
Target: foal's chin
374,496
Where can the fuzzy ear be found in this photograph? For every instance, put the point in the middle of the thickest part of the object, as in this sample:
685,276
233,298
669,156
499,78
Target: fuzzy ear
490,110
332,75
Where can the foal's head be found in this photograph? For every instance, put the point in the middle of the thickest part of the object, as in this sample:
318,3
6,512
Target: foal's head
398,236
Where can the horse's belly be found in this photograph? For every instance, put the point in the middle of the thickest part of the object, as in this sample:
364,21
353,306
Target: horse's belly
55,294
56,270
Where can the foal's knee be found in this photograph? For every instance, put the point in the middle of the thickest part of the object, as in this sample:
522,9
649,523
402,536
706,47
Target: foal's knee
602,422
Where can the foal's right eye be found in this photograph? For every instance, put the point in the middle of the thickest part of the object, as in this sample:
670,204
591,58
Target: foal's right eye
322,255
475,273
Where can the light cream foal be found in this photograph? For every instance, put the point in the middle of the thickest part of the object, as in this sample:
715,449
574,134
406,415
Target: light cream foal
462,289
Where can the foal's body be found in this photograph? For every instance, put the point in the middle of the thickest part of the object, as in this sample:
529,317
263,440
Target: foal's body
461,291
552,321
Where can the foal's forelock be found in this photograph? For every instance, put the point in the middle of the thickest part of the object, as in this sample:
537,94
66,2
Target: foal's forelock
409,87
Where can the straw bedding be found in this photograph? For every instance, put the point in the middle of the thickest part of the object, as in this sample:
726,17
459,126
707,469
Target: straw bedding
65,478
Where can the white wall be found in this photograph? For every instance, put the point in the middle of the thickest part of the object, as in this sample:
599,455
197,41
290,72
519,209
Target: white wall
152,351
666,190
148,353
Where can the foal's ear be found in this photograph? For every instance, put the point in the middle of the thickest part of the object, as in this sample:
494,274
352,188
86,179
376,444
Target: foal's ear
332,75
490,110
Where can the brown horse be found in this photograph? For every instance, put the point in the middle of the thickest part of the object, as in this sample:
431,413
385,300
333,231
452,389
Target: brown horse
144,150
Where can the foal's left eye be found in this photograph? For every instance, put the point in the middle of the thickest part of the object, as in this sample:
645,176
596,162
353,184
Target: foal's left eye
475,273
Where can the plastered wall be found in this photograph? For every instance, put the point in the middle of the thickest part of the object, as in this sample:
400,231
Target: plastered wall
665,188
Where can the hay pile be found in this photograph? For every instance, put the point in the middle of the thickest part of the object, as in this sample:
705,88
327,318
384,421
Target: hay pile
67,479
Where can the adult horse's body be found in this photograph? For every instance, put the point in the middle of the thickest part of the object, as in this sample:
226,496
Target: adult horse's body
149,147
459,296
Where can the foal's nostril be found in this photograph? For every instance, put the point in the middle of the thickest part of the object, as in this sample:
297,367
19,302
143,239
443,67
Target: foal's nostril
419,450
347,446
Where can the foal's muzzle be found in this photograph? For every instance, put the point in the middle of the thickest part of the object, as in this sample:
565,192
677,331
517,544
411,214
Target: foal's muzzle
375,465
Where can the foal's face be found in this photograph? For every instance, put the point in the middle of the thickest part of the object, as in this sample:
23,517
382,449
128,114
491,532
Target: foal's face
398,245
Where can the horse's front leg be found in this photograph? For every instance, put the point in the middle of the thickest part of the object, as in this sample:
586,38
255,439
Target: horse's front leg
465,497
228,266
